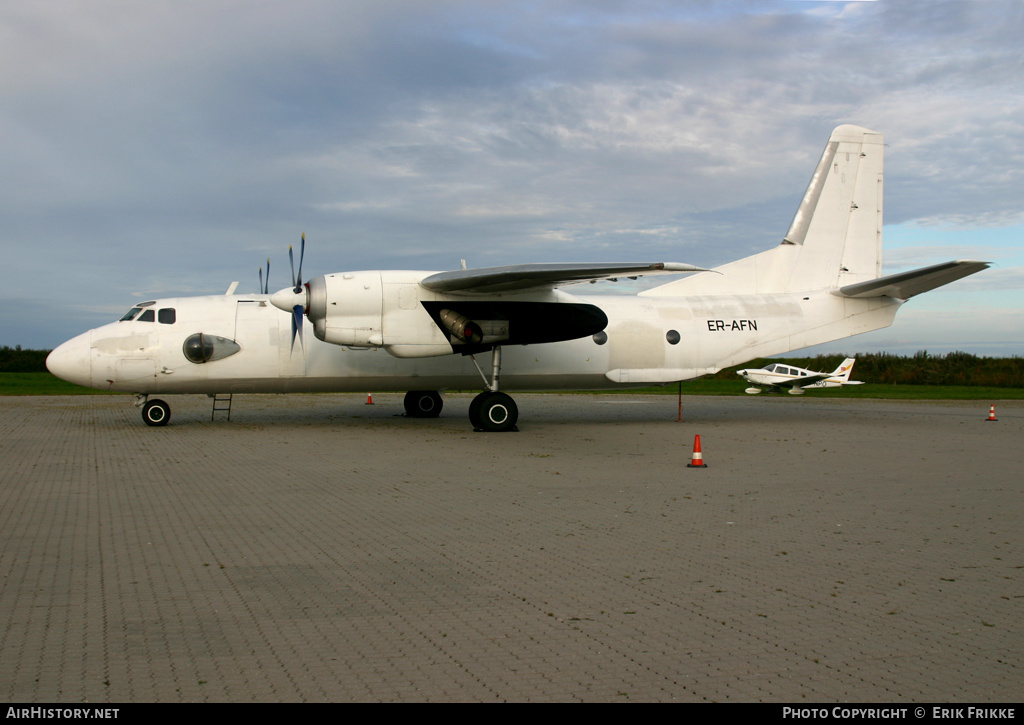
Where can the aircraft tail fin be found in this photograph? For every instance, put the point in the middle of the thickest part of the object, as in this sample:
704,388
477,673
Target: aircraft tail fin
835,238
843,371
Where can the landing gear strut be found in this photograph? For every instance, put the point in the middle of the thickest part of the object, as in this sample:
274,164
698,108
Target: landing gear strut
491,410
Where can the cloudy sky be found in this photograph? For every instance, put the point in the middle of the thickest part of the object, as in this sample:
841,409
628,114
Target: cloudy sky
168,148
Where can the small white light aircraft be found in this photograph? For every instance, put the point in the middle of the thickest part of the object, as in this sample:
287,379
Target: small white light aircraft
782,375
386,330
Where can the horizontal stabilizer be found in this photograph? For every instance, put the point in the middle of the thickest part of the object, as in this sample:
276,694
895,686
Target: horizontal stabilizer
518,277
905,285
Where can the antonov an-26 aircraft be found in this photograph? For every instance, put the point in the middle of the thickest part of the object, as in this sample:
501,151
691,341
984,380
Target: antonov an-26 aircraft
386,330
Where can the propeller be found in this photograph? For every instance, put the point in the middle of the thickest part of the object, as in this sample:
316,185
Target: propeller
265,286
293,300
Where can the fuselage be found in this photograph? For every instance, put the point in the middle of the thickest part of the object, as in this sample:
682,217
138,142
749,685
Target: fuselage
247,346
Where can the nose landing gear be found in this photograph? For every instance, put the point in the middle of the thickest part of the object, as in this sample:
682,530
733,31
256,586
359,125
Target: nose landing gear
156,413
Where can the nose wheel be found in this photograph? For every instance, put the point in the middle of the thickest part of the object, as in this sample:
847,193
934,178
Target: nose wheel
156,413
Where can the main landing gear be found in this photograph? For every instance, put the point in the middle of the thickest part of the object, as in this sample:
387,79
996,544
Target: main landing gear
493,411
423,403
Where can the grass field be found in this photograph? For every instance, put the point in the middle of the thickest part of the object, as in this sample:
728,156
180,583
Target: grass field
41,384
47,384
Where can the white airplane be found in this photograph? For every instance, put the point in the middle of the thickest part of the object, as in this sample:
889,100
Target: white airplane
782,375
417,331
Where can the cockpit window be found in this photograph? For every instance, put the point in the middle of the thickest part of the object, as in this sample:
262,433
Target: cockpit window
166,315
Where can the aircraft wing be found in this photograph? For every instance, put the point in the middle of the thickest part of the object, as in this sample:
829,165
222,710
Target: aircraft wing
804,380
907,284
518,277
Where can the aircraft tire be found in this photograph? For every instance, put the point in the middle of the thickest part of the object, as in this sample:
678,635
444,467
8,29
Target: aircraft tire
156,413
474,411
423,404
493,412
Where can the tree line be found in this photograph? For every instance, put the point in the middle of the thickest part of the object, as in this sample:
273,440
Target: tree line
922,368
16,360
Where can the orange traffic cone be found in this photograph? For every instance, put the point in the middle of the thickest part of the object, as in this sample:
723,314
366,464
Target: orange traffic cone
369,398
992,414
698,458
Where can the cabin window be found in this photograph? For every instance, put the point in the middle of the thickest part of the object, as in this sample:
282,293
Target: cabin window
201,348
673,337
147,316
166,316
601,337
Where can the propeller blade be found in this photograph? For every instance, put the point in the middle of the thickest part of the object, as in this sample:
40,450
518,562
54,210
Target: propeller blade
297,326
302,254
264,287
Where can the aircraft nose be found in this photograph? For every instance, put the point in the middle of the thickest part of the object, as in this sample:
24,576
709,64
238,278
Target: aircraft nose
72,360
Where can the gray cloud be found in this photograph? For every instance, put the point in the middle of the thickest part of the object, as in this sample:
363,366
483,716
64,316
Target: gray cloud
168,148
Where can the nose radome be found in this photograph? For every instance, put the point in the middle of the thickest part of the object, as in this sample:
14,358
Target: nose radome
70,361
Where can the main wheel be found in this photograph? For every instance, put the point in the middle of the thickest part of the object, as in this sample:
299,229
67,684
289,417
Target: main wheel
474,411
493,412
423,404
156,413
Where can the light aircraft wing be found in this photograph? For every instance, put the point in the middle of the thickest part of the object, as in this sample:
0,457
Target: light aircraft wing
907,284
804,380
518,277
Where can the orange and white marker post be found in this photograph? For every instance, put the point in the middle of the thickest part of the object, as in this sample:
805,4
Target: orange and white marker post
992,414
697,461
369,398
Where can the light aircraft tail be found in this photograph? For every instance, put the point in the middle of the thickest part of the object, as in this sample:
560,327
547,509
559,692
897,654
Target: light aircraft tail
843,371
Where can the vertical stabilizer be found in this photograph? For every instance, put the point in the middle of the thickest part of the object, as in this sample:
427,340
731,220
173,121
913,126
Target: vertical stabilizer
835,238
843,371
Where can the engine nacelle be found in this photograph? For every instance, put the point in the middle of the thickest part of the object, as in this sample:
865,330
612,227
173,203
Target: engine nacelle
375,309
391,309
347,308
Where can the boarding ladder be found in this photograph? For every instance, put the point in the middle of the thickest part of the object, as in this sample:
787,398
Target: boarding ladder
221,404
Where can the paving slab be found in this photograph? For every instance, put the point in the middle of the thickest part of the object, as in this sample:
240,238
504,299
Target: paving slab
315,548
